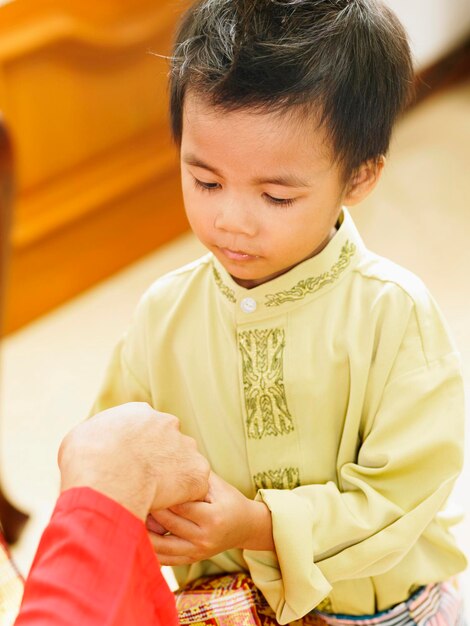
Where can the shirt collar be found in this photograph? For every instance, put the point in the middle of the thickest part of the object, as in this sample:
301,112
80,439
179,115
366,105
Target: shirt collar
300,284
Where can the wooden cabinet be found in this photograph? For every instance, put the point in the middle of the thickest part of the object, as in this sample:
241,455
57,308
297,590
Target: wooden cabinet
97,176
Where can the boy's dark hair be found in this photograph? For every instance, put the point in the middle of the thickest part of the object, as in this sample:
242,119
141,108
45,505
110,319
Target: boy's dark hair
348,59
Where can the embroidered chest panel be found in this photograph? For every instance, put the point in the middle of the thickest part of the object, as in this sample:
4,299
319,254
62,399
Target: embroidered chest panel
288,478
262,353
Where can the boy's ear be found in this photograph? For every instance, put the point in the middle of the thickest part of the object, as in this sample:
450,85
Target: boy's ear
363,181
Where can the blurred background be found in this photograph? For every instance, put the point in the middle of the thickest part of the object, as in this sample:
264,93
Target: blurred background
98,214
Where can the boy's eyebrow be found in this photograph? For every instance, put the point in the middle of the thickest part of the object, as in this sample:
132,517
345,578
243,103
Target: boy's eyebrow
287,180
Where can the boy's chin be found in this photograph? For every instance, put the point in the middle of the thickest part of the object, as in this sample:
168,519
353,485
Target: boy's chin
250,273
247,281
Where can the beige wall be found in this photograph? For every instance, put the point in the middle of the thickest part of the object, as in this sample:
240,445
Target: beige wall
435,26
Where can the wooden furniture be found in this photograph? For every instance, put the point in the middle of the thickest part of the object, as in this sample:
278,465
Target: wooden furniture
12,520
97,181
6,194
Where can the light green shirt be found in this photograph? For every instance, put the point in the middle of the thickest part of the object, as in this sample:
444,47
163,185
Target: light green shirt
334,394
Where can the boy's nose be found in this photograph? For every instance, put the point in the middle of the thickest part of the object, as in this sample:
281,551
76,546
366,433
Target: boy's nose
235,219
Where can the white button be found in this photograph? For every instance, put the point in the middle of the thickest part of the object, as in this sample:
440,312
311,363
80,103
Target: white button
248,305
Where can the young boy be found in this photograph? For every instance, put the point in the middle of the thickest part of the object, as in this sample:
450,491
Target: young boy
317,377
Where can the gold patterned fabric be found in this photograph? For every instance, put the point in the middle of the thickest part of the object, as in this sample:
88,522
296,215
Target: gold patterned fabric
232,600
331,393
235,601
11,587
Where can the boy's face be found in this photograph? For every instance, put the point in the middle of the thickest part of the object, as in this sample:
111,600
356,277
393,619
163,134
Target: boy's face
260,189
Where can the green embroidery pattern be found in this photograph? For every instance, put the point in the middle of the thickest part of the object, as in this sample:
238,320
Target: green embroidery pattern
315,283
262,354
288,478
227,292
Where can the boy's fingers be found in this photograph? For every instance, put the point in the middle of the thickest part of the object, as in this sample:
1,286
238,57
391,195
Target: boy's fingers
195,512
173,561
170,546
173,523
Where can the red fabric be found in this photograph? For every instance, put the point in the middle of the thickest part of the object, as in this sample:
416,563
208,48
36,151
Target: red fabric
95,565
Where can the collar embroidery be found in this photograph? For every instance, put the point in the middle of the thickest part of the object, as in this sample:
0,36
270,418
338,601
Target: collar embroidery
226,291
315,283
304,287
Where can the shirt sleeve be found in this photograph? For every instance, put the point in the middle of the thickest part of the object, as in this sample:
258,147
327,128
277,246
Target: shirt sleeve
126,378
95,565
410,450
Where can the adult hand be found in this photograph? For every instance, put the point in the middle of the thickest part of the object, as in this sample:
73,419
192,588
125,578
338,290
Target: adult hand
199,530
136,456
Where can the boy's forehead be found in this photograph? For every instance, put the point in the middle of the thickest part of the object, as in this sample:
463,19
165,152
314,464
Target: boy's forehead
288,135
199,110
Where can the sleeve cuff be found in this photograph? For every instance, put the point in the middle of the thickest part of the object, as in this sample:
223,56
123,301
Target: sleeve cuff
289,580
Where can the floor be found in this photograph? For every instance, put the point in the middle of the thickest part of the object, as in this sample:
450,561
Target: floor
419,216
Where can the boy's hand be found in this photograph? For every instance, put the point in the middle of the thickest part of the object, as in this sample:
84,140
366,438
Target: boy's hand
199,530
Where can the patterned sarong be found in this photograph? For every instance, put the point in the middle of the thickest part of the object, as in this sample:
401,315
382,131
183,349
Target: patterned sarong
233,600
11,587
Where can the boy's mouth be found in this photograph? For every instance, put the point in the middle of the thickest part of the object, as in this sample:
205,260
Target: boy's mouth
238,255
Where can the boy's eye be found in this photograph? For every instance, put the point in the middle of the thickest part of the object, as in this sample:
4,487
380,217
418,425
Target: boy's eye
280,202
205,186
284,202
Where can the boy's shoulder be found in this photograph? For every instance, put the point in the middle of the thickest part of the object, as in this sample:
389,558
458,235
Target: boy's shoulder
386,272
176,282
403,296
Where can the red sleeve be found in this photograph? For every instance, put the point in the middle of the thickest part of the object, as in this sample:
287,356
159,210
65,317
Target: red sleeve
95,565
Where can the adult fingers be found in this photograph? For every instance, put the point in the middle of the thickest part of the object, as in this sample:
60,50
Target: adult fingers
154,526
